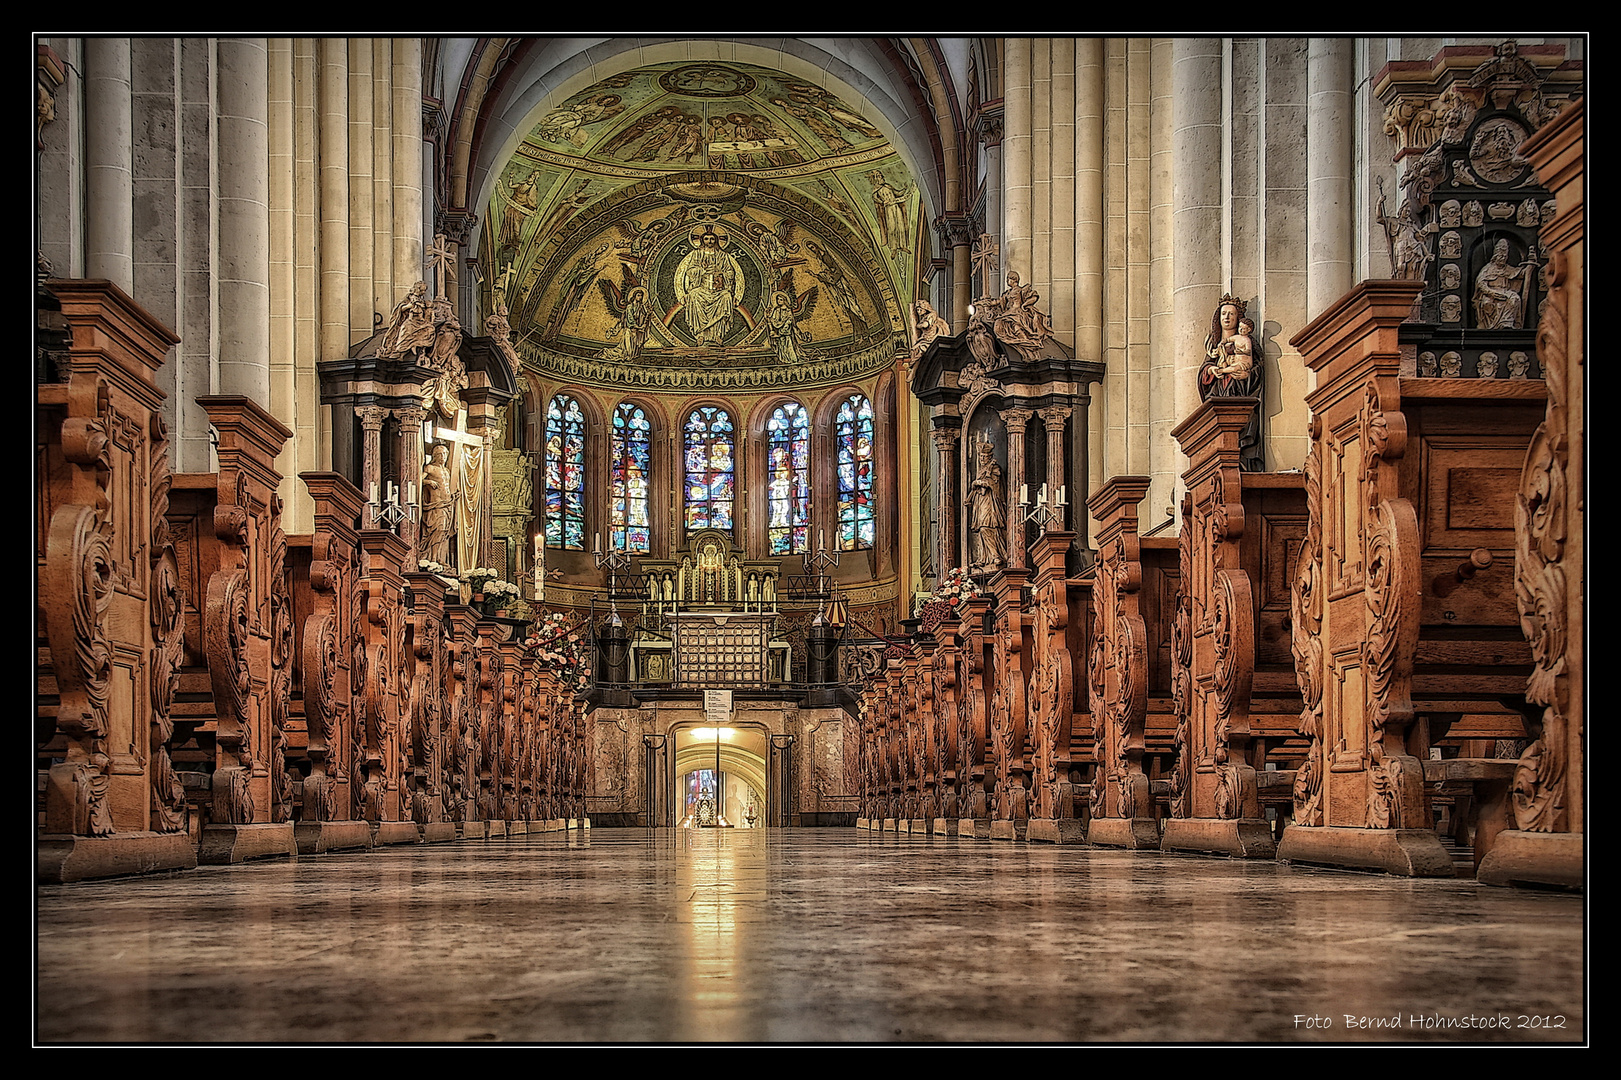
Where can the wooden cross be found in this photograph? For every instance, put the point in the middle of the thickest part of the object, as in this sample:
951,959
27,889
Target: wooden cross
468,516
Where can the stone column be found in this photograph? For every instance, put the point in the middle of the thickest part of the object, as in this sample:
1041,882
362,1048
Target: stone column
1059,286
1055,417
1200,163
196,252
990,131
950,517
298,507
411,472
381,225
1016,210
1329,82
1016,419
371,461
363,295
109,235
334,201
408,153
1036,263
1088,147
242,81
959,236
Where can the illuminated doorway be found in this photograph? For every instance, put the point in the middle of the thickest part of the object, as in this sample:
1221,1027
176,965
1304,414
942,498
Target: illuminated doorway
720,778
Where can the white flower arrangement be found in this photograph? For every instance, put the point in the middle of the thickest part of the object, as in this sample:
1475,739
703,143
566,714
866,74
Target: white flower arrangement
499,587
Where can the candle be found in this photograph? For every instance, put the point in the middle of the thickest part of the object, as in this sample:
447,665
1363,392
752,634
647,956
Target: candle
373,492
598,543
1041,496
1024,494
821,539
1061,495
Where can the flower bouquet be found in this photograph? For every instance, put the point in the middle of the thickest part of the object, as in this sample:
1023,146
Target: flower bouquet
557,641
946,602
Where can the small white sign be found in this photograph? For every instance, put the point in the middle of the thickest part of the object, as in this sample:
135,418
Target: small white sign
718,705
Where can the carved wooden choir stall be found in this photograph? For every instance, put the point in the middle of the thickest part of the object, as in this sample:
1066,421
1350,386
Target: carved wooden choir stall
214,690
1342,664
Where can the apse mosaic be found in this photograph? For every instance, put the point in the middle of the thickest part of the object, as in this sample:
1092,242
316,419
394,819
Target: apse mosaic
704,225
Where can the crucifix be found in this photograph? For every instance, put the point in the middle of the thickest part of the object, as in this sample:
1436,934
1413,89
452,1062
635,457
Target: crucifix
468,469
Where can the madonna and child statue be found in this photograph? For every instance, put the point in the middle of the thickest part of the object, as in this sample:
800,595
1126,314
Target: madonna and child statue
1232,368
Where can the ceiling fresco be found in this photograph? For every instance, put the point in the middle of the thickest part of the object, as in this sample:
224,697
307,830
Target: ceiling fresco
704,226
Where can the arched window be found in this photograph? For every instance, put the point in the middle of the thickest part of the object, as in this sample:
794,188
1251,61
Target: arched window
788,479
628,475
709,469
565,474
853,437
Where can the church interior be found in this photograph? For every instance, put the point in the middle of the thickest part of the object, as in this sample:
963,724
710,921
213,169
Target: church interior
814,540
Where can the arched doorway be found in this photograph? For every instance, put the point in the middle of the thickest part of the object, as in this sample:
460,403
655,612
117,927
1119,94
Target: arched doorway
719,775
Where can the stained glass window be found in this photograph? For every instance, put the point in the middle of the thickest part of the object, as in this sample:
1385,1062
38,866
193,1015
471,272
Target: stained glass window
565,474
788,479
709,471
853,435
629,472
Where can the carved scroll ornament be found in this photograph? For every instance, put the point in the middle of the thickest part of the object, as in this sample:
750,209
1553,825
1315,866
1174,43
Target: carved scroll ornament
1306,627
168,649
1396,798
1540,586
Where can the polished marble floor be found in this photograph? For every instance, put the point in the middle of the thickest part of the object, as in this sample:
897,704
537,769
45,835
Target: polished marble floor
799,936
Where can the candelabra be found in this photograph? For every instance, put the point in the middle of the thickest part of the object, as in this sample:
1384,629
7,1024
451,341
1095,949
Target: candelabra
389,512
615,561
817,565
1048,515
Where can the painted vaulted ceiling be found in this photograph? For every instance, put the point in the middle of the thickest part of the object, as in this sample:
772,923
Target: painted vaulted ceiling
704,225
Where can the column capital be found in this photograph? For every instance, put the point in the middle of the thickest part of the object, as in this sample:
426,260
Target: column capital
1016,419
